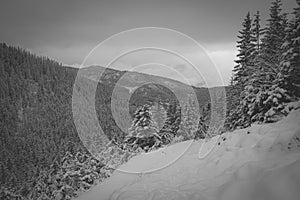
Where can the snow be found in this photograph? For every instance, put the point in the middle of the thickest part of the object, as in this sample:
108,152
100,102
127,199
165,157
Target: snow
260,162
292,106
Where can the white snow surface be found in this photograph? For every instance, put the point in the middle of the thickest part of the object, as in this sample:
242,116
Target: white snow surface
261,162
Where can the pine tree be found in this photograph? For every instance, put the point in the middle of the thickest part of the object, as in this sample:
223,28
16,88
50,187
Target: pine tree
203,124
171,124
189,120
291,56
248,49
159,114
245,56
164,122
143,131
274,35
258,32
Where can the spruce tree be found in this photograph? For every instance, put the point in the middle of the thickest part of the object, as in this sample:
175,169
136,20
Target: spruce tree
291,56
172,122
143,131
173,117
189,120
246,48
258,32
163,122
203,123
159,114
274,34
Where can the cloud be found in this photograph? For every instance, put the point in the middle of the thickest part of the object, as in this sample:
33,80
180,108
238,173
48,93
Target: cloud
67,30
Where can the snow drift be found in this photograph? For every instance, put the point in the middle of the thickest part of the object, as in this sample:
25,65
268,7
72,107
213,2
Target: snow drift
260,162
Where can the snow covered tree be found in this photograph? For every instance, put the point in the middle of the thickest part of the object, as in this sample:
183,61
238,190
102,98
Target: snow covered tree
143,124
172,122
274,35
159,114
291,56
233,101
189,120
163,122
143,131
246,48
264,91
258,32
65,180
249,39
201,132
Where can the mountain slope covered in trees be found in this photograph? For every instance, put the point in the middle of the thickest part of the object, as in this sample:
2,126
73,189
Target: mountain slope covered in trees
41,155
36,121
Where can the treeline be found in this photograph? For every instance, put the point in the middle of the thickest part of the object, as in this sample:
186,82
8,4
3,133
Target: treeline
267,75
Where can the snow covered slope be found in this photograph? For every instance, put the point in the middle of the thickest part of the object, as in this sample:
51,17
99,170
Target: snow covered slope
260,162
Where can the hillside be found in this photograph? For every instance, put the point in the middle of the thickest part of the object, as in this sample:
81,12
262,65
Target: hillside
259,162
133,83
36,108
111,134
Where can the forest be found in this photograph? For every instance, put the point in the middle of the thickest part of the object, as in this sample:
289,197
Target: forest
42,156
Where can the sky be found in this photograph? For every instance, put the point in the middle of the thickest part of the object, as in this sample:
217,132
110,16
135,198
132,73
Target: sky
67,31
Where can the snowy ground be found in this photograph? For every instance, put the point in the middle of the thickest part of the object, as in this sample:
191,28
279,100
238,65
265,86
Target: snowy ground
258,163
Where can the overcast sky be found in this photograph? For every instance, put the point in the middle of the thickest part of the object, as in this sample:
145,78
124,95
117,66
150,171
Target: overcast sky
67,30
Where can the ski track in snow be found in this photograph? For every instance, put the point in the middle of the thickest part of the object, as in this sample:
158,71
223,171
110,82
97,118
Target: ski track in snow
252,163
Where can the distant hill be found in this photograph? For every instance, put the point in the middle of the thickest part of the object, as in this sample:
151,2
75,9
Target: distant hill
131,81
